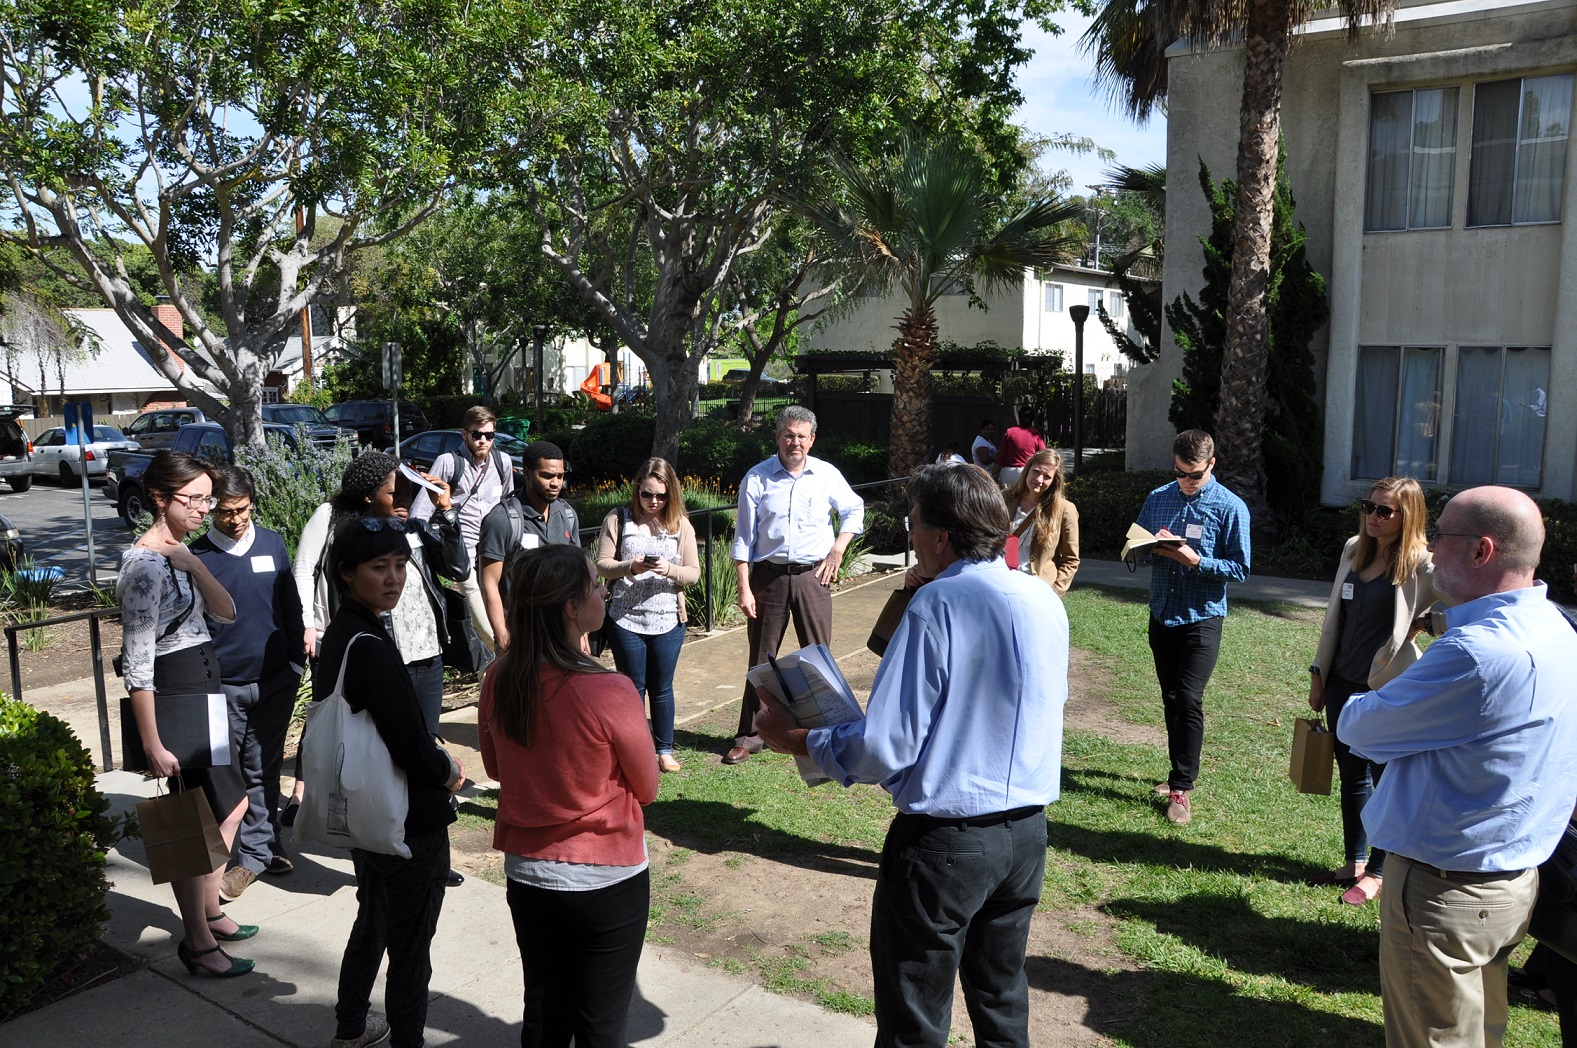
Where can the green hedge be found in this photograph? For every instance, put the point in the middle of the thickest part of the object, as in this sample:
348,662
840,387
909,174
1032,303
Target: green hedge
1108,503
53,836
860,459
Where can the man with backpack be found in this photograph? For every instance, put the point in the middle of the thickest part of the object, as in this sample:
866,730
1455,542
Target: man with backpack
479,478
536,516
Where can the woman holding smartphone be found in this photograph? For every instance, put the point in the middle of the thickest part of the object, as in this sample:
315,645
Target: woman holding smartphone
164,593
648,549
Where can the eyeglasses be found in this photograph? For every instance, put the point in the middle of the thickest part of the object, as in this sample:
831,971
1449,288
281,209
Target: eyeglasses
477,434
1374,509
237,511
655,496
1434,534
199,502
1183,474
376,524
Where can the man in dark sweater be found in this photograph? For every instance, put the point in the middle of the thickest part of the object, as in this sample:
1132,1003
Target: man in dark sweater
261,659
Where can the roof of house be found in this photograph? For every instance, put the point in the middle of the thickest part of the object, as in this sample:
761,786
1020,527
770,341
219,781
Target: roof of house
120,364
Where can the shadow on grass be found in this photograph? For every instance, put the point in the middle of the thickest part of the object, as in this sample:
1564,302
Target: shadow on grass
1125,789
1160,849
1328,957
711,827
1156,1009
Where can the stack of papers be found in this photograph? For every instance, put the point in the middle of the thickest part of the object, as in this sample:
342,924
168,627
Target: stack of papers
809,684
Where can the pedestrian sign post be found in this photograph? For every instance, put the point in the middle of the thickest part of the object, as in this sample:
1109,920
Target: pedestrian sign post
79,433
392,365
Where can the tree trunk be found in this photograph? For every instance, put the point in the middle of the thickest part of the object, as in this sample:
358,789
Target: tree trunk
913,351
1240,422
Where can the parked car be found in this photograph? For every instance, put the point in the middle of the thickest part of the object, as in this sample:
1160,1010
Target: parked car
155,430
320,430
422,450
373,420
767,386
11,548
206,440
53,457
16,451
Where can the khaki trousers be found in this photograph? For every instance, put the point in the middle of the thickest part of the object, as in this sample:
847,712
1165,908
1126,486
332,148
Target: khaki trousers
471,588
1444,943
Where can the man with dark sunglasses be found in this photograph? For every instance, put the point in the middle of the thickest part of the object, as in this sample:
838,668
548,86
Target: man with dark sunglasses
479,477
1188,600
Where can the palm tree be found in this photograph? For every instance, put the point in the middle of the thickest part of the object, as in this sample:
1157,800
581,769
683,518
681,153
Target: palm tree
1137,271
925,223
1129,40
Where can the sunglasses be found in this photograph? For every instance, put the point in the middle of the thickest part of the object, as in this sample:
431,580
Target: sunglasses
239,511
477,434
1373,509
655,496
377,524
1183,474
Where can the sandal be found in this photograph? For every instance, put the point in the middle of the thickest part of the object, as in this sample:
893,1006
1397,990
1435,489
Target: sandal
1358,895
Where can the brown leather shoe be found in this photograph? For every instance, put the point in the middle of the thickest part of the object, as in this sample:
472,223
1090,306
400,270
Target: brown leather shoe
737,755
1162,789
666,762
236,880
1178,810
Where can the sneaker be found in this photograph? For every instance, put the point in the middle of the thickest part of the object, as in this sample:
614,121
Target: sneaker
1177,808
236,880
376,1032
278,865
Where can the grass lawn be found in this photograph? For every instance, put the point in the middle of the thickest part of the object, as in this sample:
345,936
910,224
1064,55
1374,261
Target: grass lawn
1196,936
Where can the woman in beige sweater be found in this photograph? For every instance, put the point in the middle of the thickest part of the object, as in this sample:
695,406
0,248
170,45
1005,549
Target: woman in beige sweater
1045,523
1384,582
648,551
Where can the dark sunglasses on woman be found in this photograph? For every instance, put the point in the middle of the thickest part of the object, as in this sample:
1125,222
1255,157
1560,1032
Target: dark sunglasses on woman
1374,509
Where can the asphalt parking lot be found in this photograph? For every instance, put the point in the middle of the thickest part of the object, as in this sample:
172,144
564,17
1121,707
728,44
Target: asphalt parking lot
54,529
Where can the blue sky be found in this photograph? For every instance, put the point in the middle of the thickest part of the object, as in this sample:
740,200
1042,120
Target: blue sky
1060,99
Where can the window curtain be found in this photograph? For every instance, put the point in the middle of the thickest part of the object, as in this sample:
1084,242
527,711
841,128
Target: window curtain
1374,412
1541,148
1476,422
1523,403
1390,117
1434,157
1418,429
1494,163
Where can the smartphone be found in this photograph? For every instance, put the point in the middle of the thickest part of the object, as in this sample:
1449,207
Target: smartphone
651,558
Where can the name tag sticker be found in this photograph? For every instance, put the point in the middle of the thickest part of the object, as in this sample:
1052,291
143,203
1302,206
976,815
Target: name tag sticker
529,541
1194,531
262,565
1346,591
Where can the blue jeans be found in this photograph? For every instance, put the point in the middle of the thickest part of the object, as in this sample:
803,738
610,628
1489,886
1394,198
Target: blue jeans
649,661
427,677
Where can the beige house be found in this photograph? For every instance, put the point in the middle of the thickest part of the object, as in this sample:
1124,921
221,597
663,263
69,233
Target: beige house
1033,316
1431,168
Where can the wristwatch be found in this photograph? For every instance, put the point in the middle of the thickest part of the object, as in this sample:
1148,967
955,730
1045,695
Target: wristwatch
1315,670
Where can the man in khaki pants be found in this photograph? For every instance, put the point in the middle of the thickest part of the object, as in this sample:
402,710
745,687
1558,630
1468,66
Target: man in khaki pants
1479,739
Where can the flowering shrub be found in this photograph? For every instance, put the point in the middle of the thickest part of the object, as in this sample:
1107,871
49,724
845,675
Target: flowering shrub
293,482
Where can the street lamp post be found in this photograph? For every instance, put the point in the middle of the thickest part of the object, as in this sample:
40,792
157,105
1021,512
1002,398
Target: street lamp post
1080,314
538,333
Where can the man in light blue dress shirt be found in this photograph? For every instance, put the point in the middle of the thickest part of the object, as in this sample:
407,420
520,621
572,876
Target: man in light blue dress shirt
787,553
1479,739
964,730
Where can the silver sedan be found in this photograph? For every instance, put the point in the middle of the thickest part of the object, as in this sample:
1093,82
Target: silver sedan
53,457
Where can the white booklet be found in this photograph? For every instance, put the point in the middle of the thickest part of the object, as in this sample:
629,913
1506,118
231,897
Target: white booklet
809,684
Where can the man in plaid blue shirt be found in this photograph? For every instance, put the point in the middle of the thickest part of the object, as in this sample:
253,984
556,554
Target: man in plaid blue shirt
1188,599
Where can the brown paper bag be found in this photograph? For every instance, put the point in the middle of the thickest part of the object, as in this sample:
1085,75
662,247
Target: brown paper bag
887,621
1313,753
181,836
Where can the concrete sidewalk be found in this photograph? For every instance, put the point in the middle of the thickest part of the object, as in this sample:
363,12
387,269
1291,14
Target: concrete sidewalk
476,985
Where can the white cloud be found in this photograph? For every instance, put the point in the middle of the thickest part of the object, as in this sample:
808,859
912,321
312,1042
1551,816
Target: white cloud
1061,99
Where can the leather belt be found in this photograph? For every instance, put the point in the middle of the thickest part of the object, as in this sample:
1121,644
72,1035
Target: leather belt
1000,818
790,569
1465,876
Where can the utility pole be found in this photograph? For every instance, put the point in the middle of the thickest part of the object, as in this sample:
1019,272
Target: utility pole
306,315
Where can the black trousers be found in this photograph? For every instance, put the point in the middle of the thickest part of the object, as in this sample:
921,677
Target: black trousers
1185,657
955,898
579,952
779,598
398,905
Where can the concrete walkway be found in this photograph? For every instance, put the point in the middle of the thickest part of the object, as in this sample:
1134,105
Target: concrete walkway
476,985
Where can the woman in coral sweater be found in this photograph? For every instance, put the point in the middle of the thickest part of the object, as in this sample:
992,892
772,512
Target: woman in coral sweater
567,742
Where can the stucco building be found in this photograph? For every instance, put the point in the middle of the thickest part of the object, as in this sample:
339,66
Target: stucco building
1432,168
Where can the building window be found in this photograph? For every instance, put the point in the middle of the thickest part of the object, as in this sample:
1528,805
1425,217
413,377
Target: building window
1396,414
1054,298
1518,171
1114,305
1497,430
1412,159
1095,300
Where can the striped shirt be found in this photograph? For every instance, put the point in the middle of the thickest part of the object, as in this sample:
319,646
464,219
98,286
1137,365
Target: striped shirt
1215,524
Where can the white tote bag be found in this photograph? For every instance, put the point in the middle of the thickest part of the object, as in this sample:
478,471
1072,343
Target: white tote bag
355,796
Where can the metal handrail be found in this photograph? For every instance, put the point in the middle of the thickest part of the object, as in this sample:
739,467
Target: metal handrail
96,652
711,511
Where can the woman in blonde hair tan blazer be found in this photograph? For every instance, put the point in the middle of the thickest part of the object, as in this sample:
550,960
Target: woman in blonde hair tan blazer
1045,522
1384,582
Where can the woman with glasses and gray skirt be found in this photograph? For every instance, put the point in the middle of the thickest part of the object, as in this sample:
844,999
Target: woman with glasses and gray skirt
648,551
1384,583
